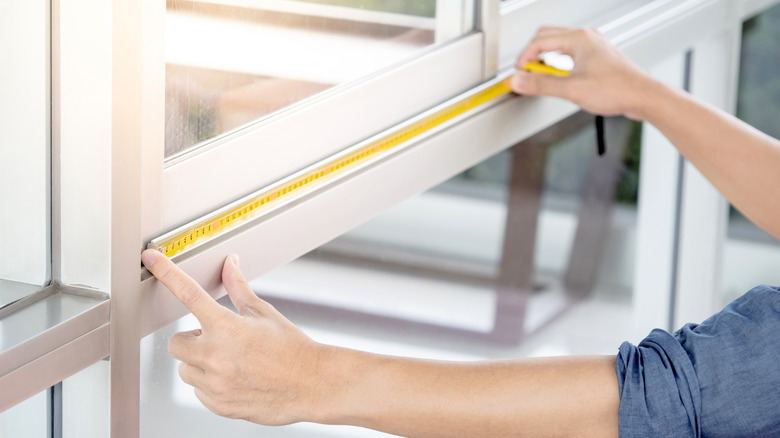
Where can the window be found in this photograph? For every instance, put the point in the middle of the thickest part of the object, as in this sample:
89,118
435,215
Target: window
49,330
750,255
159,115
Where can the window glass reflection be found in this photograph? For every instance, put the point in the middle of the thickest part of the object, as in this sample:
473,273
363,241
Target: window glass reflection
229,63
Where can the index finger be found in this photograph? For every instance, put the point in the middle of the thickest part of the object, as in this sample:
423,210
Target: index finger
187,290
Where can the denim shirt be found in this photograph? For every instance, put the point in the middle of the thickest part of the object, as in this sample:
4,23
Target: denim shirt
720,378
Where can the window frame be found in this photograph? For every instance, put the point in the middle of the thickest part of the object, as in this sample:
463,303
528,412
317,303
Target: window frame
648,35
122,172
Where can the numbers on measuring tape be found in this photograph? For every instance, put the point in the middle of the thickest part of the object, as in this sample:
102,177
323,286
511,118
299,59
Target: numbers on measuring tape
205,229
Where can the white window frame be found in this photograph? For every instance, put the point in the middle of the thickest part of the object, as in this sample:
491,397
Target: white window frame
108,171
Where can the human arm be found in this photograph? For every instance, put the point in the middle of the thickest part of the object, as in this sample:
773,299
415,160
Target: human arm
740,161
258,366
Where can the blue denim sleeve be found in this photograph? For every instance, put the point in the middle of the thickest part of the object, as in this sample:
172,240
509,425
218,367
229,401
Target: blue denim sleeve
716,379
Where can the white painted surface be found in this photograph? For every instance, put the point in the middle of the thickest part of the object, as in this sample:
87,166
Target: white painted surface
85,141
28,419
656,216
24,147
704,210
85,401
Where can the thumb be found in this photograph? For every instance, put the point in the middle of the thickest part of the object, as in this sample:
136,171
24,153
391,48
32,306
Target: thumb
238,289
539,84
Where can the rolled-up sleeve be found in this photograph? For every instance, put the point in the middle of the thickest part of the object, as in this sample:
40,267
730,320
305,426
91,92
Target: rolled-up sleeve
715,379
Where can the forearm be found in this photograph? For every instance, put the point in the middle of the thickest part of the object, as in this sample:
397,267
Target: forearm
740,161
418,398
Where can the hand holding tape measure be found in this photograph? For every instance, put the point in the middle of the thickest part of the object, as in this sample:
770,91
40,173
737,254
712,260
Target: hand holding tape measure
580,65
555,63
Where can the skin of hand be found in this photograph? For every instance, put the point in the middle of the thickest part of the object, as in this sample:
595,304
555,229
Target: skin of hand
256,365
603,80
740,161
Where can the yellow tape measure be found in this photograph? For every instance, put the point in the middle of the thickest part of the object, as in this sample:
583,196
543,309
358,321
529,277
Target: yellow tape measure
538,67
216,223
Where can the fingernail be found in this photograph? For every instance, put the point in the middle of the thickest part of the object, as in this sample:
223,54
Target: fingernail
234,259
148,257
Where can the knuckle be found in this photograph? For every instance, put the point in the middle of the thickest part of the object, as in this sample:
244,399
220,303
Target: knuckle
191,295
224,410
216,387
532,83
227,325
263,306
163,270
172,344
183,372
590,33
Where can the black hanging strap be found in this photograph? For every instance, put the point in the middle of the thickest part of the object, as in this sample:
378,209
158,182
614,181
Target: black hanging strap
600,144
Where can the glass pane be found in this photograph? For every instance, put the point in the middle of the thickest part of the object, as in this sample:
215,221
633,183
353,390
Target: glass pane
229,63
28,419
86,402
494,253
24,151
529,253
751,256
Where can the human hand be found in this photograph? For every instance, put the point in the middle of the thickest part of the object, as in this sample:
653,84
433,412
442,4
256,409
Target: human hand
603,80
255,365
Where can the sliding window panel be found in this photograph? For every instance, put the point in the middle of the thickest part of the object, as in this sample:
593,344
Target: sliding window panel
231,63
233,165
295,229
246,93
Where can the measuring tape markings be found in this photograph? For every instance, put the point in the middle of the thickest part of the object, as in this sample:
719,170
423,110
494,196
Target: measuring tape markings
204,229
